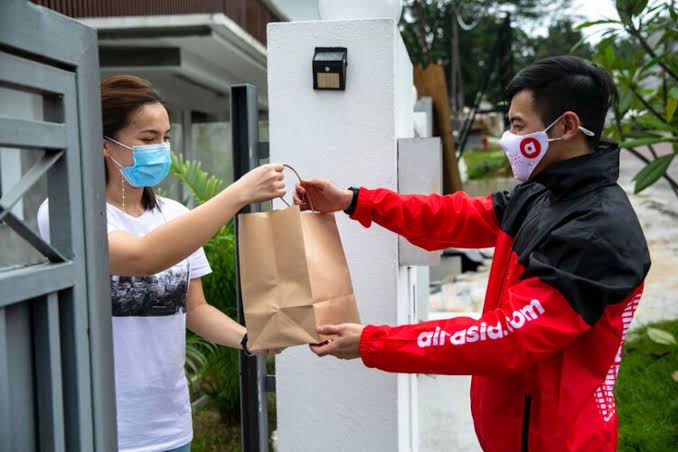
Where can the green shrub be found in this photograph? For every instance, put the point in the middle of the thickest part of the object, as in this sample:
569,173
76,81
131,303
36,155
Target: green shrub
484,164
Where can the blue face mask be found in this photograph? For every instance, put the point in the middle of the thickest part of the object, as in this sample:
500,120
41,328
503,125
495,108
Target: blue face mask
152,163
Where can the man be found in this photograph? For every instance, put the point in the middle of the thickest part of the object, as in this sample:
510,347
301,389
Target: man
568,269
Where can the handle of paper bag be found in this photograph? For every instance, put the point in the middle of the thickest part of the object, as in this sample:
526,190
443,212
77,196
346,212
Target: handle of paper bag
300,180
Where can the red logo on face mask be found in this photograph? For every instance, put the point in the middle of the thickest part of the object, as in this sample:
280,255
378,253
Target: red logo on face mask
530,147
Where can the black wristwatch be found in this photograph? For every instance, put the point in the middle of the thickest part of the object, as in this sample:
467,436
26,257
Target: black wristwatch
243,344
354,201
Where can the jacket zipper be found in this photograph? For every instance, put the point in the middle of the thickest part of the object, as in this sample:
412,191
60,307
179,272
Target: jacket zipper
526,423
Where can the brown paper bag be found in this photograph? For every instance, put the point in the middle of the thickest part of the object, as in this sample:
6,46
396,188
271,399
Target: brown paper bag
293,277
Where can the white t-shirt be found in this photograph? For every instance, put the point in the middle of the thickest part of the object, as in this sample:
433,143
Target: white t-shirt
149,339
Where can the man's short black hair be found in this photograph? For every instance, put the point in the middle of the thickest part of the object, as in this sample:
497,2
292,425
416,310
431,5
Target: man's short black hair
567,83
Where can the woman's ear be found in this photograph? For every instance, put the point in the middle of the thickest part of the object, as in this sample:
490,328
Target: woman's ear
106,148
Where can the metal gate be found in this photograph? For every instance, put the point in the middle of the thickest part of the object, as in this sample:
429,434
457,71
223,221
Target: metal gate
56,365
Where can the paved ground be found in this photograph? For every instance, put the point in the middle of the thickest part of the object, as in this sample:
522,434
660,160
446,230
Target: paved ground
444,413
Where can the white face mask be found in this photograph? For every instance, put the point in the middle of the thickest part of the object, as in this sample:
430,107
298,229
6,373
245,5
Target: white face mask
524,152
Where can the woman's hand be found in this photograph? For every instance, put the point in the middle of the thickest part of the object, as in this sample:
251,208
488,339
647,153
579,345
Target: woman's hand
325,197
261,184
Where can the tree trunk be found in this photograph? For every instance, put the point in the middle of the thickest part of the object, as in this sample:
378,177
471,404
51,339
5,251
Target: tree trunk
430,82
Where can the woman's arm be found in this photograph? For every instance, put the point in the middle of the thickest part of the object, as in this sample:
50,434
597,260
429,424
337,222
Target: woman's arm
209,322
179,238
212,324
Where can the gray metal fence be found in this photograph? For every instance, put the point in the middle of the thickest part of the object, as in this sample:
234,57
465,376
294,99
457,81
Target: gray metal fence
56,365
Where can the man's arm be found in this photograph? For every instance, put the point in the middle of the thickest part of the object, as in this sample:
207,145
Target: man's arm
567,284
534,323
431,222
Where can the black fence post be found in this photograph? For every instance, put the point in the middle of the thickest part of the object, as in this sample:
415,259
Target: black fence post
245,139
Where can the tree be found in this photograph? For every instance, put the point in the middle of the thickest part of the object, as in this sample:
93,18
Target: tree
426,27
639,50
562,36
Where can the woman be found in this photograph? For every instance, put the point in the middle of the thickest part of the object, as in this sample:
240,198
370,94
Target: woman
156,261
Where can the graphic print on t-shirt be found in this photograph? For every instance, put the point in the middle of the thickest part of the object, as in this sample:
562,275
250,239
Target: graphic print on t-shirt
150,296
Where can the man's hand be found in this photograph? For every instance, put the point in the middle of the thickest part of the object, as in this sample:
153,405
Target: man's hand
344,343
325,197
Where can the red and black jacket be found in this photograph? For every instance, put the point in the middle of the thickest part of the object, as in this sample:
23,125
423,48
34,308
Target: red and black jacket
568,269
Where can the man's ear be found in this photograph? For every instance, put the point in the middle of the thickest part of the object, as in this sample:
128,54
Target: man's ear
571,123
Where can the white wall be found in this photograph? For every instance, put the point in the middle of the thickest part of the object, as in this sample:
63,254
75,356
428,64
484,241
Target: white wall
349,137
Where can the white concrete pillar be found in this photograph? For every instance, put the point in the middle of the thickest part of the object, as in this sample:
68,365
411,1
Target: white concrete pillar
350,137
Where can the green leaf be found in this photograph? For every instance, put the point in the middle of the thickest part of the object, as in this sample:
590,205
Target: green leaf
673,92
652,172
653,123
579,43
673,66
625,100
591,23
612,133
671,105
203,185
639,6
658,25
631,7
196,359
621,6
631,144
608,57
661,336
669,36
642,134
652,64
658,8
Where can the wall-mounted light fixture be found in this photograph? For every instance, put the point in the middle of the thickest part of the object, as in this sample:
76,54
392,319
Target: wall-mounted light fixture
329,68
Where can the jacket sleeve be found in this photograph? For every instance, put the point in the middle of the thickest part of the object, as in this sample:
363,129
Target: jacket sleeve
431,222
533,323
